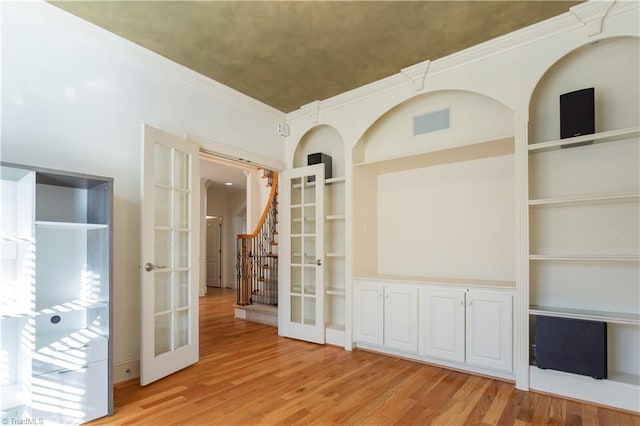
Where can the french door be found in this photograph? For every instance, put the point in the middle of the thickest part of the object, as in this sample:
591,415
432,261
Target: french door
170,252
301,284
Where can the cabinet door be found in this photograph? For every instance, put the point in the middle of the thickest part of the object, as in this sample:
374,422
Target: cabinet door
401,318
72,396
368,313
489,325
442,314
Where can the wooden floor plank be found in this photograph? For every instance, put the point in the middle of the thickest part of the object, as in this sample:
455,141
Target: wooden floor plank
248,375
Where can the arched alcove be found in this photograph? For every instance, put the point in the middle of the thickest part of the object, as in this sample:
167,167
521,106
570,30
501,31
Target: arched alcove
438,204
472,118
324,139
611,67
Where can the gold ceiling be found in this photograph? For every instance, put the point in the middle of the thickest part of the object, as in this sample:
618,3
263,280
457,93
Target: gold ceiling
289,53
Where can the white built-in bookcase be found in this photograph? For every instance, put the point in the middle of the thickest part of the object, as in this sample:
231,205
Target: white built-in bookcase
55,299
327,141
584,217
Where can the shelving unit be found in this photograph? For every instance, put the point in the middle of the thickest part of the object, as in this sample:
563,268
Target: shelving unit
56,276
584,215
332,226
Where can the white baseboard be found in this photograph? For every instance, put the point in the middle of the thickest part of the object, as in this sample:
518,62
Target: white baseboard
126,370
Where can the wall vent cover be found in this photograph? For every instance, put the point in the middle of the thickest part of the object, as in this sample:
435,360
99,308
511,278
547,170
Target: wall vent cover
431,122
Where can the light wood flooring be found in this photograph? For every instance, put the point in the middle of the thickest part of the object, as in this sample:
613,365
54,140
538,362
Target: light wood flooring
248,375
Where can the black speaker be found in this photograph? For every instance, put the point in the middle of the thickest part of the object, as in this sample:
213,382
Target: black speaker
317,158
571,345
577,113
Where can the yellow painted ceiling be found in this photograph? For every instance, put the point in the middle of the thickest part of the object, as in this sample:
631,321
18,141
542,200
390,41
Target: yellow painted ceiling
289,53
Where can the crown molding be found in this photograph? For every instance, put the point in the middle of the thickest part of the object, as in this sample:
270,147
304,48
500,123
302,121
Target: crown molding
532,34
592,15
65,21
417,74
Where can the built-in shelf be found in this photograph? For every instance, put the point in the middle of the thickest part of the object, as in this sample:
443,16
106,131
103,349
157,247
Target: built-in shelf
334,291
611,317
294,206
613,377
335,254
585,258
339,179
600,137
70,306
439,280
471,151
584,199
336,217
16,239
303,235
13,312
69,225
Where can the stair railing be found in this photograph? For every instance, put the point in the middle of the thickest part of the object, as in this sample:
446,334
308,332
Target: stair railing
257,260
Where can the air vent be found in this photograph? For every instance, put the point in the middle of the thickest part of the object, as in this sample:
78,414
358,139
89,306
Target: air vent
434,121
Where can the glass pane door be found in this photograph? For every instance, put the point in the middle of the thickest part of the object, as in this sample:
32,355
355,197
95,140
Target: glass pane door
170,253
302,266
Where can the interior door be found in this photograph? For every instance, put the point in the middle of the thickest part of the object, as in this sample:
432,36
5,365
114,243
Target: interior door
214,252
301,287
170,244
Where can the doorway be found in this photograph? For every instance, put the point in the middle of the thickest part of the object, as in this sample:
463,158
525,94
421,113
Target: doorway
214,252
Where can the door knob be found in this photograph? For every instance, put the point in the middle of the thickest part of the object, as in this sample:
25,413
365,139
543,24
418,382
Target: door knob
319,262
150,267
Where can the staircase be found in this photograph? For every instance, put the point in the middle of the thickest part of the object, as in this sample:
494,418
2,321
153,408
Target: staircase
257,263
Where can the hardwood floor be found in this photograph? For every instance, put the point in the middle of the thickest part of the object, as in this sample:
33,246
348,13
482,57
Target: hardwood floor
249,375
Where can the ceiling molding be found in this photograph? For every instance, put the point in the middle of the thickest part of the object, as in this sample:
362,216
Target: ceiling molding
417,73
85,30
592,15
551,27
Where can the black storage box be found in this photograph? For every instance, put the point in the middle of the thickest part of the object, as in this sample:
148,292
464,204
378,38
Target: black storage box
571,345
317,158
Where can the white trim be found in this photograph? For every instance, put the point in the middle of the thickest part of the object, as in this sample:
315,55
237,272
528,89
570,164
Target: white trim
127,369
234,153
549,28
65,21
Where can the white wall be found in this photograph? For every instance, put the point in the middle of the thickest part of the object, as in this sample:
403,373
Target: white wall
74,98
453,220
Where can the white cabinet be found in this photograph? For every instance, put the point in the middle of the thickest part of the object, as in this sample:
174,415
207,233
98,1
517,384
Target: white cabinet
467,328
368,312
55,317
401,318
489,322
442,327
386,315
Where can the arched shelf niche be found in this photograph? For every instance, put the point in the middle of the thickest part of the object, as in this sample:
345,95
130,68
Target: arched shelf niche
324,139
584,215
610,66
441,204
473,118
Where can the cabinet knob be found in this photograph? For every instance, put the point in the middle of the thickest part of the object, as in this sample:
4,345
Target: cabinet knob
319,262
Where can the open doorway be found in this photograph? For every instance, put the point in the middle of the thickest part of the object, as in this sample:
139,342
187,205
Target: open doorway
214,252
